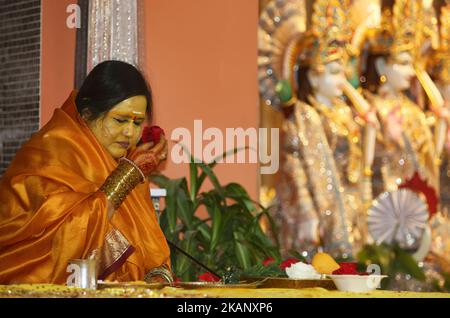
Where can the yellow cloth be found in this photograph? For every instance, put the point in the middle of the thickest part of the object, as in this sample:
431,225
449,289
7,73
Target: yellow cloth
316,292
51,210
39,290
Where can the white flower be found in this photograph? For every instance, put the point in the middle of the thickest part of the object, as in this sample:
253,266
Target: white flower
302,271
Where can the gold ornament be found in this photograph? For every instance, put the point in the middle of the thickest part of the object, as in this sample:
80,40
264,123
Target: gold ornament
444,30
441,58
399,23
429,30
328,35
162,272
281,23
121,181
286,40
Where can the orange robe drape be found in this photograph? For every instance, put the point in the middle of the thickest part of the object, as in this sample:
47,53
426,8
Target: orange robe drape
51,210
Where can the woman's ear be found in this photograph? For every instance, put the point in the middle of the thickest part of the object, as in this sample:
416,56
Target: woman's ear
380,65
86,114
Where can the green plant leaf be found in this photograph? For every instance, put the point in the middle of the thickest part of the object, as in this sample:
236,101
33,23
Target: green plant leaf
446,277
226,154
237,192
193,173
212,203
231,236
273,228
161,180
385,257
194,180
260,270
216,227
203,175
242,253
392,260
171,205
212,176
260,245
182,262
407,264
185,206
205,232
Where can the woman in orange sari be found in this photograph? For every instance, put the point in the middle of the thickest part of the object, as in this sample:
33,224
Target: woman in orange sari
78,188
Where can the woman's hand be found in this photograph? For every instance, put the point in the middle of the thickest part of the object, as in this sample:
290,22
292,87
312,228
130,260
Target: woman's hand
125,177
148,156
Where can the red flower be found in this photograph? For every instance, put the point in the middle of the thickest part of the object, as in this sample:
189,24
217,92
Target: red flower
419,185
268,261
287,263
176,279
152,134
208,277
363,273
346,269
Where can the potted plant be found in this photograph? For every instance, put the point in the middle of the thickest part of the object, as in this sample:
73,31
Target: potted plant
230,237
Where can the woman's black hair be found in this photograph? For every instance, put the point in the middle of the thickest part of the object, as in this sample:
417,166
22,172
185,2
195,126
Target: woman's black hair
108,84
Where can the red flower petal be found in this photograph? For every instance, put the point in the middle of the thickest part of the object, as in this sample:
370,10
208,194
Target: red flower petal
152,133
208,277
287,263
268,261
417,184
351,266
346,269
177,279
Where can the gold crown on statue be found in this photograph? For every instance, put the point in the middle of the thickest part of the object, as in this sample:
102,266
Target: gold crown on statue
327,36
442,56
444,46
430,29
399,21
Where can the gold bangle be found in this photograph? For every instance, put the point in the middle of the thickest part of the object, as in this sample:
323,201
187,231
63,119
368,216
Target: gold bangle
161,271
121,181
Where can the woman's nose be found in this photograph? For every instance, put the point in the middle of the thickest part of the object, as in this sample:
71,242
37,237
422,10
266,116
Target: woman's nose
129,130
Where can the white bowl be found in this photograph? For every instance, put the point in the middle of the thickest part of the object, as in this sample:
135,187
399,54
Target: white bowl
357,283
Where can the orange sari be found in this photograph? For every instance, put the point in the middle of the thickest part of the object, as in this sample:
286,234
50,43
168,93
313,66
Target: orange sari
51,210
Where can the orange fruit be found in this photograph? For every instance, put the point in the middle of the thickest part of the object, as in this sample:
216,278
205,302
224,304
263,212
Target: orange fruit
324,263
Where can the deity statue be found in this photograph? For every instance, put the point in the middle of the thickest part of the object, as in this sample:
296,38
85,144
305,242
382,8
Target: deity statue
392,57
326,142
438,65
388,63
438,62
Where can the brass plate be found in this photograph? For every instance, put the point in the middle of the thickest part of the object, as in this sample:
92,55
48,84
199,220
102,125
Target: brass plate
131,285
281,282
201,285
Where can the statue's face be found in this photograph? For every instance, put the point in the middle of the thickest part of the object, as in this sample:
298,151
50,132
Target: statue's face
120,129
328,83
399,71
